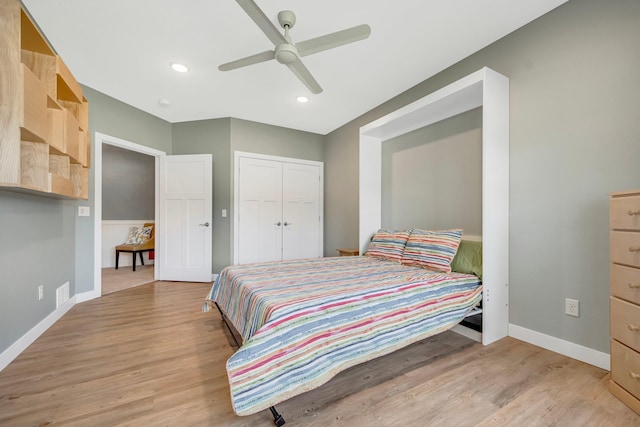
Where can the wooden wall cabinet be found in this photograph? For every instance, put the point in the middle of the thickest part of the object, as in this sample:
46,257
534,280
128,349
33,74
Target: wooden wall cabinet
45,146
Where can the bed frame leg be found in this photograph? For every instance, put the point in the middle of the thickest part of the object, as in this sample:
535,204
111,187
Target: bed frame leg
224,319
277,418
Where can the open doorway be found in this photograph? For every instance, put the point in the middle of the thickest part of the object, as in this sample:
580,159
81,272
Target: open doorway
126,194
128,218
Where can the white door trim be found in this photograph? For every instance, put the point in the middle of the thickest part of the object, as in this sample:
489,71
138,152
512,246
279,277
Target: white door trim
236,189
100,139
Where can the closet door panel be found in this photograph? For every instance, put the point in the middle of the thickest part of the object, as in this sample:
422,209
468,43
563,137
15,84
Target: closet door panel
301,211
260,206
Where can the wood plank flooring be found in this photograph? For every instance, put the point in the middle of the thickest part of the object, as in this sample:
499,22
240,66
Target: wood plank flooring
148,356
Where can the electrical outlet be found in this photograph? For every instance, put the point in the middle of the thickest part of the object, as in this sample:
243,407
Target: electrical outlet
40,292
572,307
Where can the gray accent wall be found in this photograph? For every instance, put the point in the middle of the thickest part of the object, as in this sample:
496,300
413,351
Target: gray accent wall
37,247
432,177
128,184
574,131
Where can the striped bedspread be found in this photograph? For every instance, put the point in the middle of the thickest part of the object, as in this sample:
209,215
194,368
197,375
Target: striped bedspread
304,321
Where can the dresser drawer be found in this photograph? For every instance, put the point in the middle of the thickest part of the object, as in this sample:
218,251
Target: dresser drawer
625,368
624,212
625,248
625,323
625,282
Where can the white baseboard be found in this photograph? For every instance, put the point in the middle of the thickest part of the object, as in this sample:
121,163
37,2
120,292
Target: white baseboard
86,296
27,339
557,345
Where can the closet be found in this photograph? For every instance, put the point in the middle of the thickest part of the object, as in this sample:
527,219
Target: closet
278,208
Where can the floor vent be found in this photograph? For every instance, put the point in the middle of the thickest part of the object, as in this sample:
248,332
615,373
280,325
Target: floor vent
62,294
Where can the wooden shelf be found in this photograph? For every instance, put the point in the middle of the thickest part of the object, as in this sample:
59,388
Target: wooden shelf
33,112
44,142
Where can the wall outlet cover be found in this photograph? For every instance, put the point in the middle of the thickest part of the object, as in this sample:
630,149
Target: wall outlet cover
572,307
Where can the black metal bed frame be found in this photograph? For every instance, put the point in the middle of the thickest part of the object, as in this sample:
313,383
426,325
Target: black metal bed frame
278,420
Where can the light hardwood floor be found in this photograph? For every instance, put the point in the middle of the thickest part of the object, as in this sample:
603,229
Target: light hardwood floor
148,356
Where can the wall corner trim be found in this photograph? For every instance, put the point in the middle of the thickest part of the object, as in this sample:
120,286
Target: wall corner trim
557,345
27,339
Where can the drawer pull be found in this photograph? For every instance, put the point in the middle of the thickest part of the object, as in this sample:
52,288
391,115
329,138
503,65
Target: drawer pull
632,213
634,248
634,285
633,328
634,376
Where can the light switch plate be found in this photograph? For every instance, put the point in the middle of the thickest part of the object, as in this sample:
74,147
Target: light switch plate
224,213
84,211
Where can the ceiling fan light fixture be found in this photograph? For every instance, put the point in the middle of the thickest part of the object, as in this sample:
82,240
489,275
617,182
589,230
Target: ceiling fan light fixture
286,53
179,67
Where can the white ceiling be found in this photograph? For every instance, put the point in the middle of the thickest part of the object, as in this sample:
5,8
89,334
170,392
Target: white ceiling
123,48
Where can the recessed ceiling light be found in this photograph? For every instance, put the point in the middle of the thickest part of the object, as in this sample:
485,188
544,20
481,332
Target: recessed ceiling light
302,99
179,67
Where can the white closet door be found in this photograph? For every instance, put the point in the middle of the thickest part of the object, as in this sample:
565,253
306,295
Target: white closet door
301,232
260,210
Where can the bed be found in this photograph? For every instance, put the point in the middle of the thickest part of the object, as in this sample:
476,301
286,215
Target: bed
304,321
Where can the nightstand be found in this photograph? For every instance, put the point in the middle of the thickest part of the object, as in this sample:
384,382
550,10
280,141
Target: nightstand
348,252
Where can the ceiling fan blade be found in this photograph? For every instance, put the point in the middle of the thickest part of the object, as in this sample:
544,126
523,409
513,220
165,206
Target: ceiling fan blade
249,60
332,40
261,20
298,68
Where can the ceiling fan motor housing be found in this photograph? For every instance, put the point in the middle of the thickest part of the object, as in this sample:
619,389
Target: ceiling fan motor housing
286,53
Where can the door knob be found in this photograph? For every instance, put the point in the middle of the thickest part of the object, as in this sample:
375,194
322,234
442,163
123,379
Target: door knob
278,223
287,223
206,224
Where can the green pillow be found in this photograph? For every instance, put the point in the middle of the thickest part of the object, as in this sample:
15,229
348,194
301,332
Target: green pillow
468,259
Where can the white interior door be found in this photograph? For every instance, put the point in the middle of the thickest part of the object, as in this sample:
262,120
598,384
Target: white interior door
260,210
184,230
301,233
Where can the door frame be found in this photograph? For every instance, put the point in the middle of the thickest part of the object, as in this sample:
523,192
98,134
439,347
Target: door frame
101,139
236,190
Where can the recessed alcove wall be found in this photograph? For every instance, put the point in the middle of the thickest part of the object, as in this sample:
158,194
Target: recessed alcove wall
445,159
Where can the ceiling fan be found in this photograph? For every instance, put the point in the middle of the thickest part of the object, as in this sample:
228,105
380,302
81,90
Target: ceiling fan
288,53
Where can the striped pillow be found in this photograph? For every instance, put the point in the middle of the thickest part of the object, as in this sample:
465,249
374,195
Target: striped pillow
388,244
432,249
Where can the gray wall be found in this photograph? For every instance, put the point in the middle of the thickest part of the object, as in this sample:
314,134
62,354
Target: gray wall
259,138
432,177
574,139
128,184
37,247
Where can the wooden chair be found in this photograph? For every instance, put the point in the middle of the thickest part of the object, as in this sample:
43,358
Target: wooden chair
145,246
